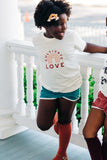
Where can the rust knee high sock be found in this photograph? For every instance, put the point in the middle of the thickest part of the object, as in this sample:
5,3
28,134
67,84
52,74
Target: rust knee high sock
95,149
64,138
104,149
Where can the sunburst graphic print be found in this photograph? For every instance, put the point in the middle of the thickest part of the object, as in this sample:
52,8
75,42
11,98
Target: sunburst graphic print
54,59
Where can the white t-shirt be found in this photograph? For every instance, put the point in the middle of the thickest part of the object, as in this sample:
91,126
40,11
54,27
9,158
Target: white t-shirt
58,70
104,80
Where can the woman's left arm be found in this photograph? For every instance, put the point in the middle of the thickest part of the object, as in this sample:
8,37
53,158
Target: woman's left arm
92,48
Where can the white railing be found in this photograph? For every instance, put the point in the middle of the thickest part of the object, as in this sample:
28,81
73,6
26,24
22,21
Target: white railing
23,53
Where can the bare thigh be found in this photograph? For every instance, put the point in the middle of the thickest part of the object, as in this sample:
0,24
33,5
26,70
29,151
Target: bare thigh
94,122
46,112
65,110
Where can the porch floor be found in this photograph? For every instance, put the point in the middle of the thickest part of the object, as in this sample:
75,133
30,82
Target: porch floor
33,145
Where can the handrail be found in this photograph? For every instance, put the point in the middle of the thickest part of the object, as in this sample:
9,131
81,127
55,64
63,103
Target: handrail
27,48
18,46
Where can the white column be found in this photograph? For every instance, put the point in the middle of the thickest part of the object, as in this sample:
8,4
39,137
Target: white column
10,28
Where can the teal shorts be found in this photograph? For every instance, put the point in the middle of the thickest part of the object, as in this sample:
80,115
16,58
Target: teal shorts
47,94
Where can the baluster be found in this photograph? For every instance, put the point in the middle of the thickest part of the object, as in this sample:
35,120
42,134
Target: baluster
74,122
37,81
30,109
20,74
96,75
84,96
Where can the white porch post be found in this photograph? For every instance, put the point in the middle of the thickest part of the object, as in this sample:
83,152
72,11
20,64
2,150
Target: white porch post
10,28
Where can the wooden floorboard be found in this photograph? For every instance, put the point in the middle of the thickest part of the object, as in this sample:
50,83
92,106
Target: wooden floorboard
33,145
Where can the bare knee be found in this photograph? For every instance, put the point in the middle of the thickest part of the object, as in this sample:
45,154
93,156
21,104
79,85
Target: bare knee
43,126
89,133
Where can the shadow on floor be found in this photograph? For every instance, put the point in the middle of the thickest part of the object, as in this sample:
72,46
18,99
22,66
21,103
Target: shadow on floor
33,145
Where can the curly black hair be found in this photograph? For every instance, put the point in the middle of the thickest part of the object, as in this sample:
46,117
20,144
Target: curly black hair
47,7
